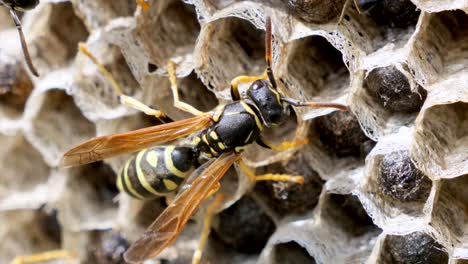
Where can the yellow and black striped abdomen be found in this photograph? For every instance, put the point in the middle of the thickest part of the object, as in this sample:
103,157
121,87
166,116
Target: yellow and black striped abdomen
155,172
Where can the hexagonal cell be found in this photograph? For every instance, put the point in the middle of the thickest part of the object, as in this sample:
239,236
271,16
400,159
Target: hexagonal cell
291,253
313,69
450,213
88,202
164,37
28,232
57,125
25,180
416,247
439,48
385,23
51,44
15,87
96,14
218,41
287,197
440,139
244,226
347,213
396,190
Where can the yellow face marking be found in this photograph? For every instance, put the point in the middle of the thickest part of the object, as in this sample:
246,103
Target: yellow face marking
170,164
127,180
170,185
152,158
213,135
221,146
141,176
248,137
195,141
278,96
250,111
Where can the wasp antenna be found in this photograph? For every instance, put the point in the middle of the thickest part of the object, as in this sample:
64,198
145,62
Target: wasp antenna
298,103
268,50
23,43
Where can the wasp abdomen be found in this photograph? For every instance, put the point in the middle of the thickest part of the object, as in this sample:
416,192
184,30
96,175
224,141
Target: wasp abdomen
155,172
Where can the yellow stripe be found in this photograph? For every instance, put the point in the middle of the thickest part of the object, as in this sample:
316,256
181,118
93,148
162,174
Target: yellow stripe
170,185
169,164
248,137
119,180
152,158
127,180
205,139
278,98
213,151
195,141
250,111
141,176
218,112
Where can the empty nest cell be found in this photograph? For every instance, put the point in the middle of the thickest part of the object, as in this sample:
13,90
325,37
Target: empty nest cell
439,48
229,47
15,86
346,213
445,126
88,202
52,44
24,172
58,125
416,247
163,35
97,14
291,253
313,69
29,232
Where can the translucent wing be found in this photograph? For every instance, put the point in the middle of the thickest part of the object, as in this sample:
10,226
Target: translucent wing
170,223
108,146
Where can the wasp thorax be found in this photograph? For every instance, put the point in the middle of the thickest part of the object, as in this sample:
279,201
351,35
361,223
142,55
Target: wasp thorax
268,102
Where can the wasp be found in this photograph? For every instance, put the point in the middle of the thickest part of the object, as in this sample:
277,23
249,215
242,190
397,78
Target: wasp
219,136
22,5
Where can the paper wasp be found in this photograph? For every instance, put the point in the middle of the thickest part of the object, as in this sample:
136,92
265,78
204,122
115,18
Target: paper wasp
220,136
22,5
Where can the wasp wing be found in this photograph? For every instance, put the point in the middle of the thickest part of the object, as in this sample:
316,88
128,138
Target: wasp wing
108,146
165,229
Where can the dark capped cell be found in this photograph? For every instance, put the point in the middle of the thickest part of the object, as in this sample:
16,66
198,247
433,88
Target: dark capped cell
392,90
288,197
401,180
244,226
50,225
341,133
102,179
348,213
15,85
108,248
392,13
315,11
417,247
291,253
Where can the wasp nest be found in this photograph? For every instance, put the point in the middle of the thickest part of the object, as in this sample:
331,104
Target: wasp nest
385,182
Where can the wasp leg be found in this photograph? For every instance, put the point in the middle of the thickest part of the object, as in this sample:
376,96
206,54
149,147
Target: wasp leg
144,4
269,176
285,145
243,79
207,225
175,92
45,256
125,99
